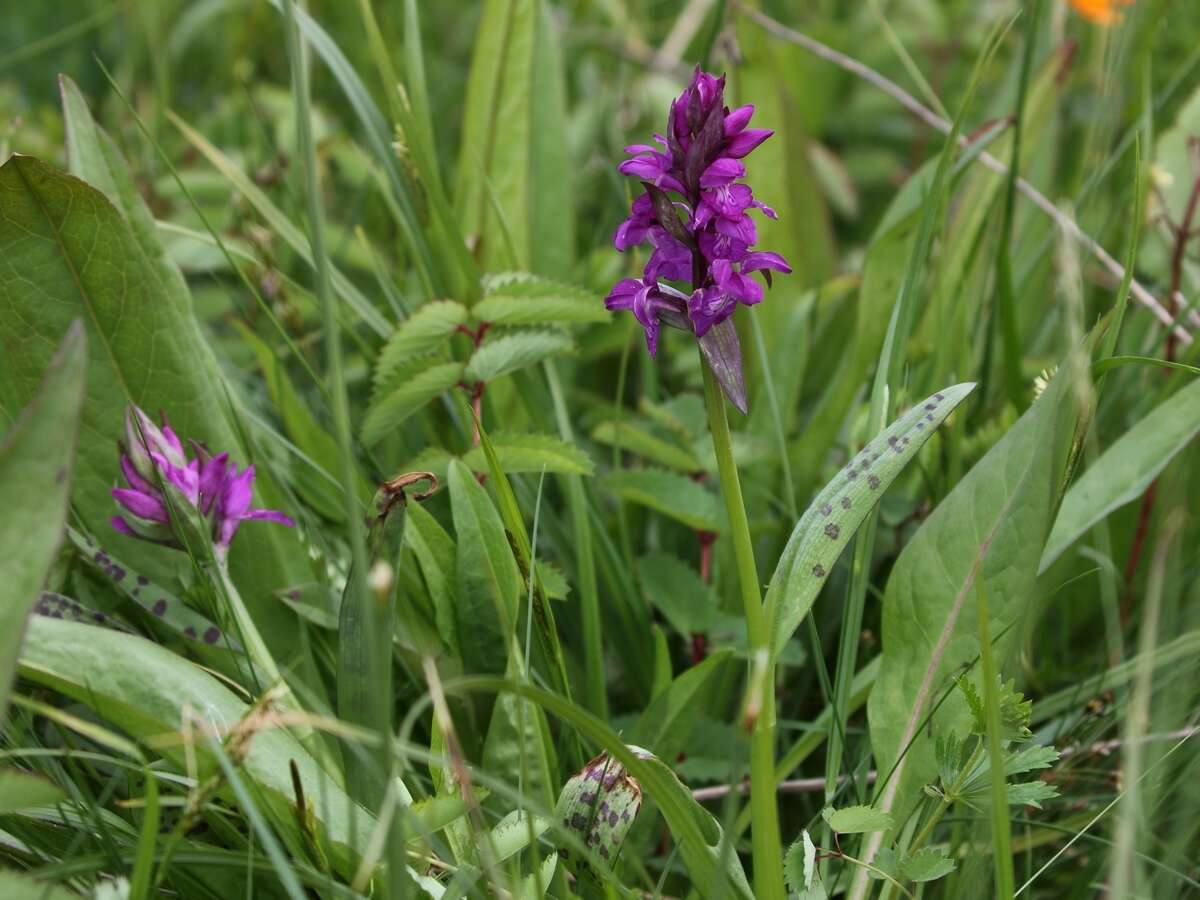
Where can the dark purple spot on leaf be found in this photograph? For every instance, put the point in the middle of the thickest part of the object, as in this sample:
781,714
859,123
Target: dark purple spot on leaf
826,509
832,531
920,424
931,406
142,581
98,617
117,573
873,482
819,570
60,476
190,632
846,500
852,474
159,608
211,634
940,396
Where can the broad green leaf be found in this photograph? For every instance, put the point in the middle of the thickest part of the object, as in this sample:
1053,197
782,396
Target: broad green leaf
145,689
676,590
512,190
23,790
519,748
927,864
666,724
997,519
1125,470
856,819
37,454
532,453
518,299
69,254
831,520
391,409
671,494
419,335
489,585
637,440
516,350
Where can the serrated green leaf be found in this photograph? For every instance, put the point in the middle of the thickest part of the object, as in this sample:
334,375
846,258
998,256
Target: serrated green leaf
390,410
927,864
521,299
420,334
1015,710
1125,469
516,350
856,819
37,454
676,590
1030,759
24,790
671,494
800,866
531,453
637,440
1031,793
831,520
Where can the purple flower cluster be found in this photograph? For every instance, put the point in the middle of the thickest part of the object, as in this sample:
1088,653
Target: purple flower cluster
206,489
694,172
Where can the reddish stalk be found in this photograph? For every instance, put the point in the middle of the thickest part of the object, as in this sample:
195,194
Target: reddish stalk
1183,235
700,639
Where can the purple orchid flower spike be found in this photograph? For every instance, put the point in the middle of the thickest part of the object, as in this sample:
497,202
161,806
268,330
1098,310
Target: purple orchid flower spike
695,214
168,497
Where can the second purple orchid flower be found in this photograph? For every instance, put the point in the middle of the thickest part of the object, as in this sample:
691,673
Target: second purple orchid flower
694,212
163,486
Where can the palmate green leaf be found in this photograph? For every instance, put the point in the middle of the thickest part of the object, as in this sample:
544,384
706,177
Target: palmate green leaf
420,334
69,253
516,350
37,454
856,819
927,864
1125,469
414,387
671,494
489,584
1015,710
1000,511
637,440
144,688
516,298
531,453
24,790
831,520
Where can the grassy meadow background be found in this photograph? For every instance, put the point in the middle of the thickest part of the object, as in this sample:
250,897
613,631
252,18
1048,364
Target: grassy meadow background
324,237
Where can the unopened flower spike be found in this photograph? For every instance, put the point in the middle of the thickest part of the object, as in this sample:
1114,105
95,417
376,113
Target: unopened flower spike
694,212
168,495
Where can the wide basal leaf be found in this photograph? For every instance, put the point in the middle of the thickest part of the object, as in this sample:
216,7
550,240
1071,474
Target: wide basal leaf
532,453
831,520
145,689
671,494
992,526
69,253
1125,470
419,335
516,350
412,390
36,457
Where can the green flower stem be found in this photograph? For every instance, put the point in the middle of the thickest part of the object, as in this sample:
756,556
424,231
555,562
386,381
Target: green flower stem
768,850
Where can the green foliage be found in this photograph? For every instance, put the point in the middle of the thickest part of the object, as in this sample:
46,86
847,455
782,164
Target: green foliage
671,494
856,819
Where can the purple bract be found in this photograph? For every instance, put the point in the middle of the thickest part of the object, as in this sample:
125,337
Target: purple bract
694,212
163,485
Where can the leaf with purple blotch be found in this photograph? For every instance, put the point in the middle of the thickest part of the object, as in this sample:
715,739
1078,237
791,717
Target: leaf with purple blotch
828,524
724,356
599,804
153,598
58,606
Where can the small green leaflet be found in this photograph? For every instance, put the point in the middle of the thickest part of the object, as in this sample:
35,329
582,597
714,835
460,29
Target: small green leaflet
927,864
516,350
635,439
519,299
532,453
671,494
800,867
828,524
1015,710
418,335
390,410
856,819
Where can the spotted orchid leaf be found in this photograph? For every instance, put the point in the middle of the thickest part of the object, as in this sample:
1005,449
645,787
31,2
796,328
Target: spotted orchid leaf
599,804
828,524
156,600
